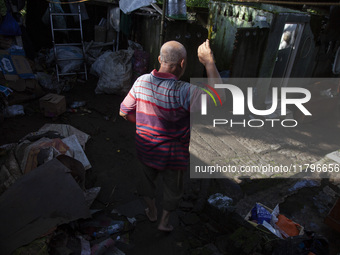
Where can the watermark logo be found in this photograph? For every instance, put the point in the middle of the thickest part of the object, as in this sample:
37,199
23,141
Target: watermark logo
238,100
204,98
280,99
262,126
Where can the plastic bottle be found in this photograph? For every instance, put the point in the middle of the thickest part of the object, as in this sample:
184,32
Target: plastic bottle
109,230
77,104
177,9
14,110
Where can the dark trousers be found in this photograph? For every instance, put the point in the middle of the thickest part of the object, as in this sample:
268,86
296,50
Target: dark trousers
172,186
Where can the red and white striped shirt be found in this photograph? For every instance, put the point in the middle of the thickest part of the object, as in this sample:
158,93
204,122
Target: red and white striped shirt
162,106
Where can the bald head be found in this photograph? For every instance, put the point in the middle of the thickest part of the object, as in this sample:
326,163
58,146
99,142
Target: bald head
172,52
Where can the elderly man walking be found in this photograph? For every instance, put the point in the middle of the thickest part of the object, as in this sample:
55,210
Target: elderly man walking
160,104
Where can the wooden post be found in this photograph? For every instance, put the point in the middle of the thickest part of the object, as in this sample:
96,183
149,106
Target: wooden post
162,35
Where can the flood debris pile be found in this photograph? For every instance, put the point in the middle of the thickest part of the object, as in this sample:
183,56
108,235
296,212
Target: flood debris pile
45,205
23,80
261,231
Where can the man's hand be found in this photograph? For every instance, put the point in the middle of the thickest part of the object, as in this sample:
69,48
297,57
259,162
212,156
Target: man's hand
205,54
130,117
206,57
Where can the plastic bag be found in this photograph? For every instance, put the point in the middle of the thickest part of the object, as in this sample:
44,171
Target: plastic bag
45,80
140,61
260,214
98,65
128,6
220,201
67,52
14,110
115,77
10,26
115,18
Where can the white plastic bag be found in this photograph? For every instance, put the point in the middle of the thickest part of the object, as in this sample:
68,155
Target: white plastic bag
98,65
115,77
14,110
67,52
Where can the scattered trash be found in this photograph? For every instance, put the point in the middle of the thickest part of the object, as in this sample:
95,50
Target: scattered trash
85,246
220,201
77,104
67,130
14,110
5,91
98,66
74,54
14,65
28,215
115,77
52,105
91,195
102,247
49,142
275,222
76,151
9,171
45,80
109,230
32,154
259,214
304,184
132,220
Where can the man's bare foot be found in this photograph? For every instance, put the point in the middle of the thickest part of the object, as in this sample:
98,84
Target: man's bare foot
152,216
167,228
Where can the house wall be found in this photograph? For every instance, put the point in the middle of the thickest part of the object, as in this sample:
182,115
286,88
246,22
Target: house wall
230,22
249,48
190,34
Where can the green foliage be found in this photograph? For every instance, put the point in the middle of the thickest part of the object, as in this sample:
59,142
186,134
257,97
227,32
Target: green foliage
197,3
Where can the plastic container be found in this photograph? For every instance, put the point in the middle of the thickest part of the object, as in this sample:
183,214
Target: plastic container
109,230
177,9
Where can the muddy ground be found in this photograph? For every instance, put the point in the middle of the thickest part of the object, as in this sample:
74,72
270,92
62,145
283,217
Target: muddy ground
111,152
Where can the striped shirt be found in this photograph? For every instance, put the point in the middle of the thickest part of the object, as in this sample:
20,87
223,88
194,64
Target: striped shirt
162,107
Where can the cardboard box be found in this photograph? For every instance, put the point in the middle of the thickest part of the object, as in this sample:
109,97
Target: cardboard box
52,105
14,65
248,216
